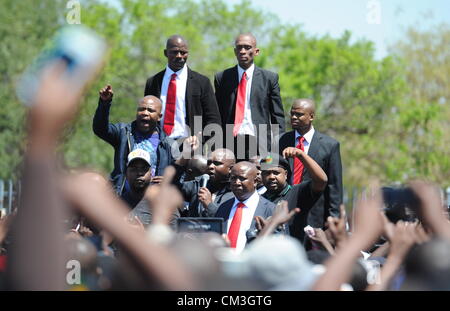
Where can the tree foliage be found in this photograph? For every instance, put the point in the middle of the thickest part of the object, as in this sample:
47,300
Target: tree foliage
390,115
24,30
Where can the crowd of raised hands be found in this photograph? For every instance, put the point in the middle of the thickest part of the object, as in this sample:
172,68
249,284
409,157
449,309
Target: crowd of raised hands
40,237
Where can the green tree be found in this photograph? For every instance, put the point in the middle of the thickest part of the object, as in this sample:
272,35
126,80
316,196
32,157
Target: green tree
424,119
25,28
137,32
355,95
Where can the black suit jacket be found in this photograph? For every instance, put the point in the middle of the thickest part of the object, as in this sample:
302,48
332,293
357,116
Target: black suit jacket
264,209
200,99
326,152
265,100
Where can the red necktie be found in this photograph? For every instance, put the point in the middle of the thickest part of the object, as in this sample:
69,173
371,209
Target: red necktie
240,104
298,165
233,233
171,99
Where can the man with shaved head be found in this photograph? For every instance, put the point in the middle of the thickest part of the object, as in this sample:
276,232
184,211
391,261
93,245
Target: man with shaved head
184,93
143,133
239,212
324,150
249,96
204,201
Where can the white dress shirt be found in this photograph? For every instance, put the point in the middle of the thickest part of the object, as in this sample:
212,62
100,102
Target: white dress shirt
247,124
248,211
308,137
179,129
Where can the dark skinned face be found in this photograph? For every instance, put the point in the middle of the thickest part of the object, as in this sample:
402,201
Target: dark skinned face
148,115
177,54
257,163
245,50
243,181
274,179
301,118
219,167
139,175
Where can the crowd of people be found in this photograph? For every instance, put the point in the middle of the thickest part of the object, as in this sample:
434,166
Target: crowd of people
186,208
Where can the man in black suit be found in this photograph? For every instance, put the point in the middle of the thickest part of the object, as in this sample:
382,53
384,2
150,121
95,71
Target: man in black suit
240,211
185,94
247,103
322,149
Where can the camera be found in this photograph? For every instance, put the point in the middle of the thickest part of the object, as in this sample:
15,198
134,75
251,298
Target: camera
400,204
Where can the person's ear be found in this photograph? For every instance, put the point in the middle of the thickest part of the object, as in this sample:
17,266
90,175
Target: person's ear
311,116
256,51
159,117
165,52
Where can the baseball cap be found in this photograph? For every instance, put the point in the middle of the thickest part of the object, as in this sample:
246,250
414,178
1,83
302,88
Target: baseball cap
273,159
139,154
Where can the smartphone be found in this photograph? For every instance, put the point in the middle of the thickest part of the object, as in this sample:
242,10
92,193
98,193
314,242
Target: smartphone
80,48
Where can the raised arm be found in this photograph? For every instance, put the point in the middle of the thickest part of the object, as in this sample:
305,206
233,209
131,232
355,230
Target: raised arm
36,258
368,227
104,209
318,176
100,125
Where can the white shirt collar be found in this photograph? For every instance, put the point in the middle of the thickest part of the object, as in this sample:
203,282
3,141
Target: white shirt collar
181,74
308,136
249,71
251,202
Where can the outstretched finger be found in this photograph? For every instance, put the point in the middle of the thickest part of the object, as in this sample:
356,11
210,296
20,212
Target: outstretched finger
293,212
169,173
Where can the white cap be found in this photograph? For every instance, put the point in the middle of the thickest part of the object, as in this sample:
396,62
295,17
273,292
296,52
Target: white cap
139,154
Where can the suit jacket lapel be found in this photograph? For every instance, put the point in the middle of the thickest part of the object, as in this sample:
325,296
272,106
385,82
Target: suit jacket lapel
313,151
188,95
292,143
227,210
159,81
256,82
259,210
234,83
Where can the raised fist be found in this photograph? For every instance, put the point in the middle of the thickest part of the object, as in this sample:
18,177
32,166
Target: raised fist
106,93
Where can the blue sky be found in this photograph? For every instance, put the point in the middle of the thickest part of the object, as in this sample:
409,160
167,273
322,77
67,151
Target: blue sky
333,17
320,17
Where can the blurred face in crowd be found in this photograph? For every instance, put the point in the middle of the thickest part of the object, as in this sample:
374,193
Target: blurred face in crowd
243,180
245,50
139,175
256,160
274,178
219,165
197,166
302,116
148,114
177,52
